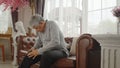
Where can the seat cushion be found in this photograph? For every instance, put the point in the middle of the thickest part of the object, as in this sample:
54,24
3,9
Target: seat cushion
65,63
73,46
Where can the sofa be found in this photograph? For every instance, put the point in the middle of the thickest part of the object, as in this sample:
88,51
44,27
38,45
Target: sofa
84,52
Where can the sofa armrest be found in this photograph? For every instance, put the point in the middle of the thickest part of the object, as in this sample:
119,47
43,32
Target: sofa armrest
84,44
94,58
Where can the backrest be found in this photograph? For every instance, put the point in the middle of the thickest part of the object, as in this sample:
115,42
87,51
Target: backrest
26,42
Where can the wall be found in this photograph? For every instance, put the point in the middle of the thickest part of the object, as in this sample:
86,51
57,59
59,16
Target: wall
24,15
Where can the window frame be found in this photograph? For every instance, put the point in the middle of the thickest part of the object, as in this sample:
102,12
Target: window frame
85,14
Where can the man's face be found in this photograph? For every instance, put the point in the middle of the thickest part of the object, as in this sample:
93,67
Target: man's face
40,27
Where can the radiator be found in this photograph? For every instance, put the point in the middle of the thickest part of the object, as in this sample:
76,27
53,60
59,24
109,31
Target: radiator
110,56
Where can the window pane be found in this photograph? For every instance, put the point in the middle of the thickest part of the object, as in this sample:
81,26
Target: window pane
67,3
107,15
4,19
109,22
94,4
108,3
100,17
67,15
104,23
93,21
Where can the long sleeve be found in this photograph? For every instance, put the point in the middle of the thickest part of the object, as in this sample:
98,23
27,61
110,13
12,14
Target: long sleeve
38,43
55,39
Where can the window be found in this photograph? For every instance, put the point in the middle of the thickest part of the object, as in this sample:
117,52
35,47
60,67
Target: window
5,19
66,13
100,18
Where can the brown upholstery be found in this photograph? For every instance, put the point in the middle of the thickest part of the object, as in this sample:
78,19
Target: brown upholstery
3,52
81,60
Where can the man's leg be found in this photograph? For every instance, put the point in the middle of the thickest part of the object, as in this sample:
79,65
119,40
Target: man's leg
27,62
49,57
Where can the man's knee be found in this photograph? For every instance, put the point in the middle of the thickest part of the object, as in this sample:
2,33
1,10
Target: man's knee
26,62
53,55
27,59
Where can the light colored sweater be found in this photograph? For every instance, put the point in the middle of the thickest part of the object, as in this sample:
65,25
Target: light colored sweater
51,38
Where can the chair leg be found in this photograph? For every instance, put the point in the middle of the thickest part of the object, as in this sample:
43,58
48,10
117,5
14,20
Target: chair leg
3,53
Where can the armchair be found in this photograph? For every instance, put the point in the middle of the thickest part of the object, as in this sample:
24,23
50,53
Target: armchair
83,53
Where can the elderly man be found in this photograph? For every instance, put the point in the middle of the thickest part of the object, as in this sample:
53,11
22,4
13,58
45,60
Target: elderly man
49,47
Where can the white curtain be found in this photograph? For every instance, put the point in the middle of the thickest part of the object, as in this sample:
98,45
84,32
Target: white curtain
66,13
5,19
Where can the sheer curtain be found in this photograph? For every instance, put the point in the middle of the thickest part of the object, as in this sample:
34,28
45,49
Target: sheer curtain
5,19
66,13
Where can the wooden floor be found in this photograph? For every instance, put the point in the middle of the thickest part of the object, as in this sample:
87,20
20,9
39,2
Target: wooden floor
7,64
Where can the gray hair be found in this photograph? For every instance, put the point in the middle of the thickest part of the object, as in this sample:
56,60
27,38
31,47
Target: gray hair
35,19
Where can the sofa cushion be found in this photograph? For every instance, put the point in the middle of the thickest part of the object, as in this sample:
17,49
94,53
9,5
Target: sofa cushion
73,46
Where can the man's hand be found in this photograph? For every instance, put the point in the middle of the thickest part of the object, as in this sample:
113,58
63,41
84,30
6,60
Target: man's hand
30,50
33,53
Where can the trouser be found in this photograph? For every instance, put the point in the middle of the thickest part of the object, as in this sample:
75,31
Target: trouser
46,59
